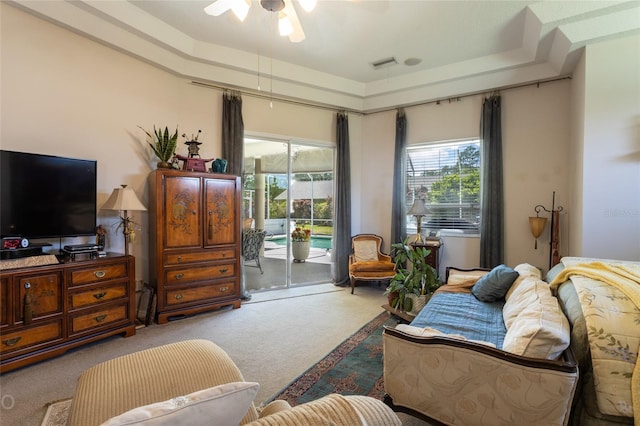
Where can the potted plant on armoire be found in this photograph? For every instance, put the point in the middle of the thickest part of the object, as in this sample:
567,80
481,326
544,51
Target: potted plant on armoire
163,146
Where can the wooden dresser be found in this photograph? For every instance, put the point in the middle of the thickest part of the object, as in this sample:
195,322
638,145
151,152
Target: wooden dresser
46,310
194,224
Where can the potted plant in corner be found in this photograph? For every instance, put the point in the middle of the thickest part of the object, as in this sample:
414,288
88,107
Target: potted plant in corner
415,280
164,145
300,240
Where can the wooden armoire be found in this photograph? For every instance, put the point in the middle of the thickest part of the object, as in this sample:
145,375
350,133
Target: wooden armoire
194,241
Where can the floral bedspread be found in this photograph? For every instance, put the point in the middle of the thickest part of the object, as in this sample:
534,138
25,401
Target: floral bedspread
613,324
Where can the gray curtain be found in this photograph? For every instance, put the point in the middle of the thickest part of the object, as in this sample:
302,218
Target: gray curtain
342,215
398,203
492,202
232,132
233,149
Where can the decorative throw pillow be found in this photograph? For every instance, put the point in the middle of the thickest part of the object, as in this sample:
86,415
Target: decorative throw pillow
365,250
220,405
529,291
526,271
495,284
464,278
540,331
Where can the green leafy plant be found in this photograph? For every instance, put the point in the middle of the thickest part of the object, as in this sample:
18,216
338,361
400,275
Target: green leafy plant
413,275
164,144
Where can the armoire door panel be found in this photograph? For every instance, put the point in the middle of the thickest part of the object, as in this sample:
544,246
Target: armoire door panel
220,220
182,210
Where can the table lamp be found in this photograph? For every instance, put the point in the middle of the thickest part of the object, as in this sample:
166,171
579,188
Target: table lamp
418,209
124,199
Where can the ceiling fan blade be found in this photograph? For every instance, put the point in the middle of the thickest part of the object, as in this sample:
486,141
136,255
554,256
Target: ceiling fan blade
298,34
308,5
218,7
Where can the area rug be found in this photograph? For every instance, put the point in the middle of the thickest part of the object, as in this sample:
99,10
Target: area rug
352,368
57,413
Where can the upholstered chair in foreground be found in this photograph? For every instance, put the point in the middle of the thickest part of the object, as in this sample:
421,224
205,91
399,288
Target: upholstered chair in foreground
195,382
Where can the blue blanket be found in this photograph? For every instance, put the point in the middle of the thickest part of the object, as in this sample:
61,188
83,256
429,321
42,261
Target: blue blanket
462,313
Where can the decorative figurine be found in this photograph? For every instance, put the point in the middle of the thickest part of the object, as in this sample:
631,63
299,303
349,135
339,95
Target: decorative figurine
193,162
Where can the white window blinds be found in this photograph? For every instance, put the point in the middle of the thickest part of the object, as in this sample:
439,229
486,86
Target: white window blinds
447,177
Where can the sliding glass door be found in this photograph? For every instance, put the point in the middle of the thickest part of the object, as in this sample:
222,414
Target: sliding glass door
288,193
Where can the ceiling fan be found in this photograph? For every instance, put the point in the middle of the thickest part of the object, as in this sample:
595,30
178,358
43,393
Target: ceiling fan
288,22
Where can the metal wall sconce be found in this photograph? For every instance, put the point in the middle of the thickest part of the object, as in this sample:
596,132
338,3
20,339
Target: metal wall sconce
537,225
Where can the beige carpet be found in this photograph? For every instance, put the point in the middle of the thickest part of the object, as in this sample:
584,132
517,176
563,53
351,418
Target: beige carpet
288,330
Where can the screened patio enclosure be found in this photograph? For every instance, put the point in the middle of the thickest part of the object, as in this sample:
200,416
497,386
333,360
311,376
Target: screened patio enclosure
288,184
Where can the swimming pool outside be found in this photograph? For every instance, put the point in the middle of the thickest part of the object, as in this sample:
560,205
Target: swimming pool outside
317,241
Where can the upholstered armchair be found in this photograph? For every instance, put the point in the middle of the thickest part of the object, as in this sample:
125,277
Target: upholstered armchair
252,240
367,262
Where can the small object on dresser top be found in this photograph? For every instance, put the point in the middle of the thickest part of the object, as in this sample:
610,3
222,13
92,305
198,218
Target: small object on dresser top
81,247
25,262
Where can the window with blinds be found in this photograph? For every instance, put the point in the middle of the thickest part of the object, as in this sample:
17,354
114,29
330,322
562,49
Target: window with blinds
446,176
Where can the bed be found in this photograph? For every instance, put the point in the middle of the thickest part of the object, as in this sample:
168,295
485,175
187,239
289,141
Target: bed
601,299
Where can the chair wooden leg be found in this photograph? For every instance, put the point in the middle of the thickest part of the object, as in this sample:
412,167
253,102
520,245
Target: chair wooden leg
259,266
353,284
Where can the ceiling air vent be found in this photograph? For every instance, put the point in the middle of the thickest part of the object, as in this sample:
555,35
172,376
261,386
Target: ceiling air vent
384,63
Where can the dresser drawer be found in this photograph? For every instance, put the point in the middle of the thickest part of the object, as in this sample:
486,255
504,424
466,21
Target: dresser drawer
97,319
200,293
204,273
98,273
200,256
97,295
31,336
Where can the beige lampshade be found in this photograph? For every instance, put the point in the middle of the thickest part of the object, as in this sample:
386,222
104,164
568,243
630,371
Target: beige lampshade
123,199
418,208
537,225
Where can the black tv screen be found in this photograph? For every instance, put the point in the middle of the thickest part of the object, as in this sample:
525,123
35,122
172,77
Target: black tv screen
43,196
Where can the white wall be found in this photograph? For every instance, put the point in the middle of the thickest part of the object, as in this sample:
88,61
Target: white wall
535,124
66,95
611,151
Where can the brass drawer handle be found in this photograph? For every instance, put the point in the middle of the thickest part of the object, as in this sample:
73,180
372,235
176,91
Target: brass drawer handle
179,276
100,274
178,296
13,341
179,259
224,289
223,270
100,318
100,295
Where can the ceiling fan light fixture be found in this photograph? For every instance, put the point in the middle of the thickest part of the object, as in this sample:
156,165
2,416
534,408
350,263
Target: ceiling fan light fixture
241,8
272,5
308,5
288,21
284,24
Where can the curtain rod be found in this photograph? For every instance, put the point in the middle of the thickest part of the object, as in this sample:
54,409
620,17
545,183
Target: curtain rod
277,98
468,95
352,111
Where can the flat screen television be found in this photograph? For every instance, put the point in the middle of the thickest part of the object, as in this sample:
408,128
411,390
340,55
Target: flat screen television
43,196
